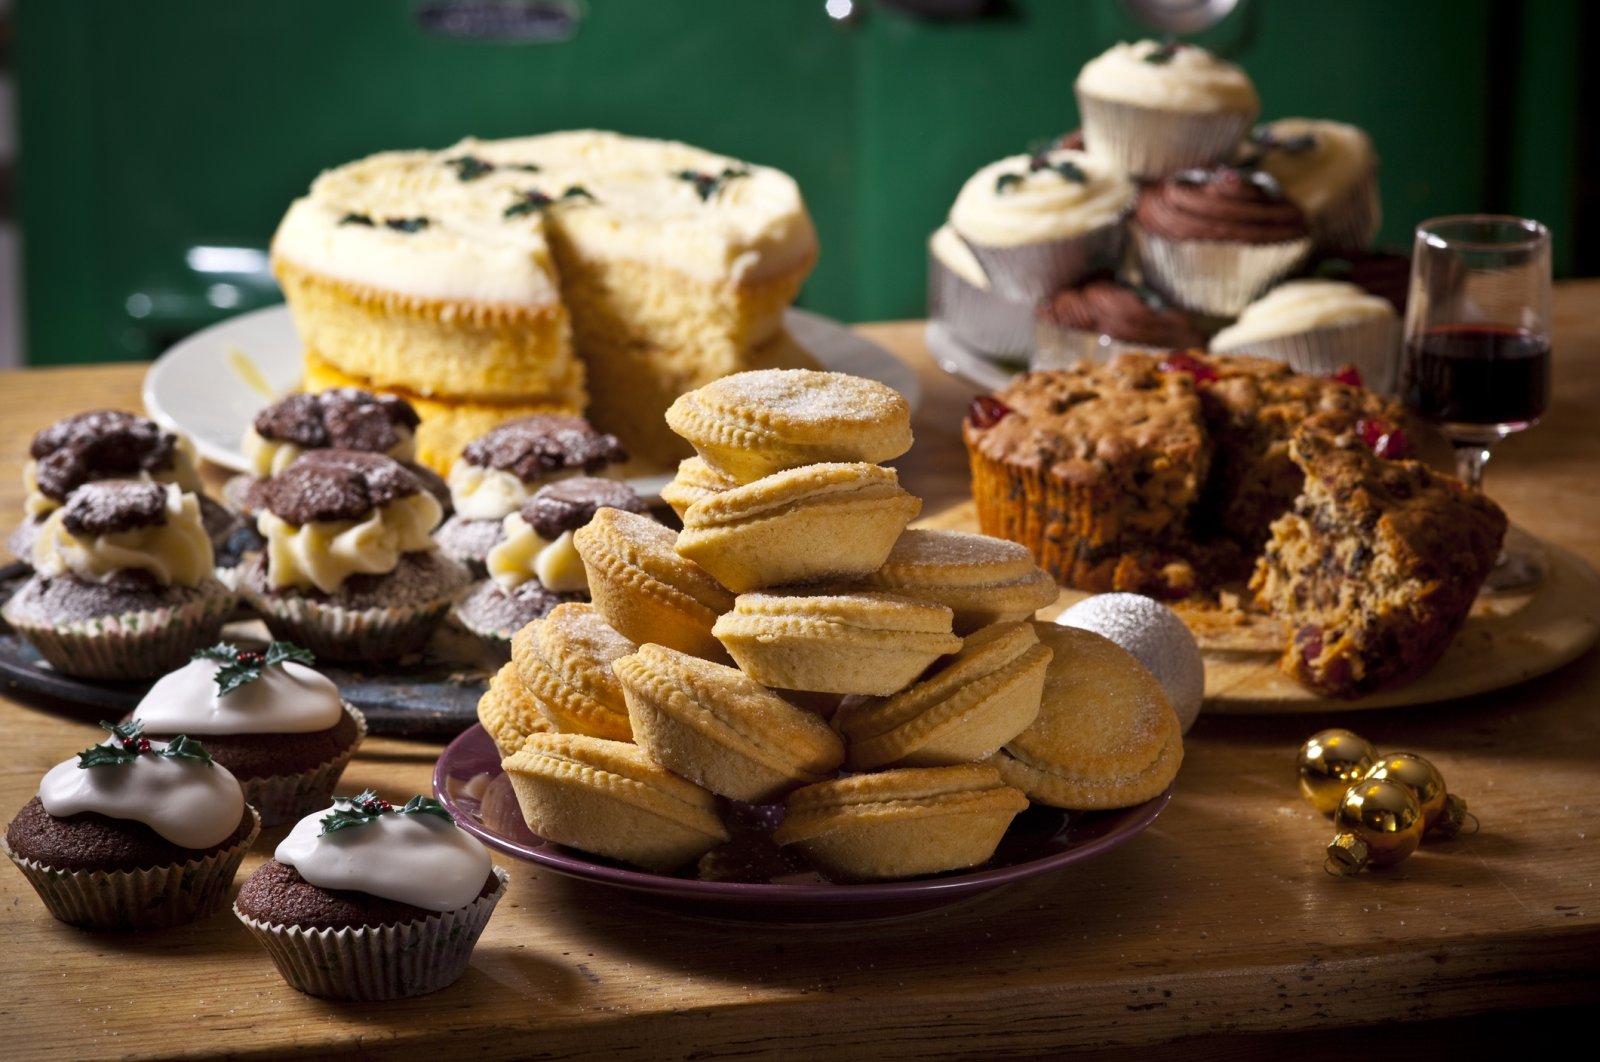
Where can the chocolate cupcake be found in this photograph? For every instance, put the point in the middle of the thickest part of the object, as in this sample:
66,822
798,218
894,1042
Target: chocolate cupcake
368,901
1036,223
496,473
349,570
1153,108
279,726
1319,327
961,299
123,586
133,834
107,444
1212,240
1328,170
343,418
1104,317
535,566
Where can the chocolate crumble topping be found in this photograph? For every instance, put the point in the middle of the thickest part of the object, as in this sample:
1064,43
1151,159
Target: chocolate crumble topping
536,446
326,485
106,507
568,504
101,444
345,418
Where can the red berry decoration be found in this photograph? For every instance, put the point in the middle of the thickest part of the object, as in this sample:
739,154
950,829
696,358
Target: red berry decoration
986,411
1180,361
1384,439
1348,374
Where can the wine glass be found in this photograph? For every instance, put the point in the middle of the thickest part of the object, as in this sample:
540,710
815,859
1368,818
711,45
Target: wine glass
1477,343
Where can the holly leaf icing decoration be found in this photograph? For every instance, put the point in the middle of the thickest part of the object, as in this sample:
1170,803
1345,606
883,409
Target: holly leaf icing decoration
131,744
1163,53
354,218
240,666
534,201
707,185
1006,181
397,224
469,167
367,806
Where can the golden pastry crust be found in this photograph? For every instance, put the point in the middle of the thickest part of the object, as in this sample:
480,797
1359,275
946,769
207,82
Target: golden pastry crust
508,713
695,481
865,642
752,424
983,580
1105,736
801,525
721,729
900,823
610,798
644,589
564,663
984,696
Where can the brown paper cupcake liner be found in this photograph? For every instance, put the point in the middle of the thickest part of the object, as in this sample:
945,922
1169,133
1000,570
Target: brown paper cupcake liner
987,322
130,645
1148,143
349,635
1219,277
290,797
1372,346
155,898
1348,225
1029,272
378,962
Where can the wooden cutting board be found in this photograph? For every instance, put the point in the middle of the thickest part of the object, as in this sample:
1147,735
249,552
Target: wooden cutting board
1507,639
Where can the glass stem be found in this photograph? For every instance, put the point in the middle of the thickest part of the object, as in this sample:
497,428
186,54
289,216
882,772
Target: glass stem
1471,457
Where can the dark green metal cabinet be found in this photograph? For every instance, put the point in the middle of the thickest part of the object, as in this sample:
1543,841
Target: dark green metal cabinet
148,129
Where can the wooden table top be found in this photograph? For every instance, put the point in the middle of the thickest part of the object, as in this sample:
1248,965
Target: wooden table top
1218,924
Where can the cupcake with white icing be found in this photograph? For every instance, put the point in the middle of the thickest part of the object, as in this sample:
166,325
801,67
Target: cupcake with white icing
1319,327
535,566
366,900
961,299
280,726
1154,108
350,570
123,584
1036,223
1330,171
499,471
133,834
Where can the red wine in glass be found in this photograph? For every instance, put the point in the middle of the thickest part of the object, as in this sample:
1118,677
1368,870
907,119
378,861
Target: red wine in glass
1488,374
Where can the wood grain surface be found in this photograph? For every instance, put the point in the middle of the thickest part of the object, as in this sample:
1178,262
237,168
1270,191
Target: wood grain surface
1215,933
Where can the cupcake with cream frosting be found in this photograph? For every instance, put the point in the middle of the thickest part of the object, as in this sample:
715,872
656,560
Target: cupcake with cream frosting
961,299
499,471
1327,169
350,570
535,566
1212,240
123,585
365,900
1318,327
1104,317
1153,108
281,727
1036,223
133,833
107,444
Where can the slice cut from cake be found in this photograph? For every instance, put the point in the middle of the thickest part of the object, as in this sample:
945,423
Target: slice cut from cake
1375,567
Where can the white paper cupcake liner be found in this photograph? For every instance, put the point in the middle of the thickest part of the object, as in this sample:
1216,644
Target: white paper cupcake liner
988,323
129,645
1149,143
290,797
1029,272
378,962
1218,277
1372,346
335,633
138,899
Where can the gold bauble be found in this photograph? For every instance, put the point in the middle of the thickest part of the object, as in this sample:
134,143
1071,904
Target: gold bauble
1379,822
1442,811
1330,762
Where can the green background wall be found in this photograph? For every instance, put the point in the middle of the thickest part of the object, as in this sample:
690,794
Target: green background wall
148,128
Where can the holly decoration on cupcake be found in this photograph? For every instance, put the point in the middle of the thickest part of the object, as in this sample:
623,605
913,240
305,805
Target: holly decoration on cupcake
707,185
131,743
367,806
240,666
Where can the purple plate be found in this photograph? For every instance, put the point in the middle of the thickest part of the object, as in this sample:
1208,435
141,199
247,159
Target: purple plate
469,782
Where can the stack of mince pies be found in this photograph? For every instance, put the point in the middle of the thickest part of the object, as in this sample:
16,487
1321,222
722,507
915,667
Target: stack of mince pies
879,695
